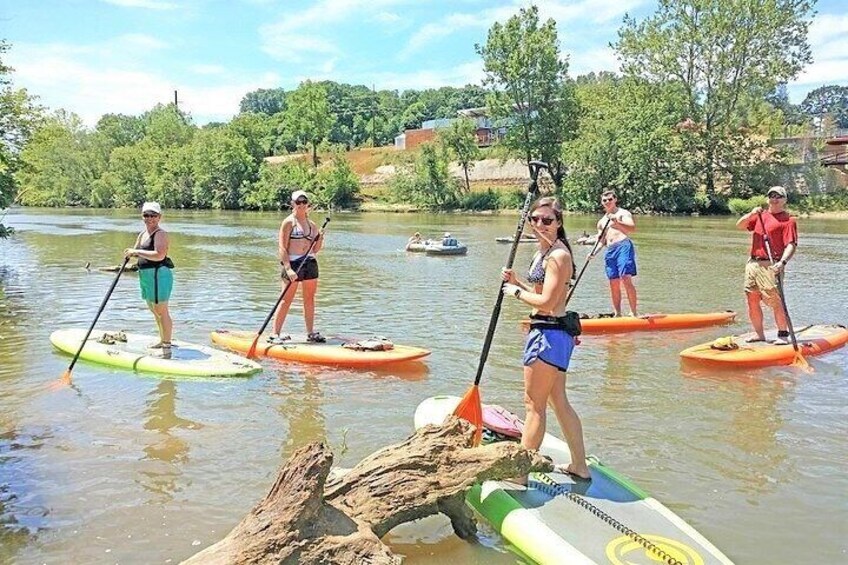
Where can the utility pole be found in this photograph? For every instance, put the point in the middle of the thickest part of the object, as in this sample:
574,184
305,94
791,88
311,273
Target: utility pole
176,102
373,111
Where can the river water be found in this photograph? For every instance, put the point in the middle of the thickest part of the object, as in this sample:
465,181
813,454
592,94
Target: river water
133,468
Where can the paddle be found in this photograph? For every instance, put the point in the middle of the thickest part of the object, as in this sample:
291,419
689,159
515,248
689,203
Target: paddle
588,258
251,353
66,376
799,360
470,407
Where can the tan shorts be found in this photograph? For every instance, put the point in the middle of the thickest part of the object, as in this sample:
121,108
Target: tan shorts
759,277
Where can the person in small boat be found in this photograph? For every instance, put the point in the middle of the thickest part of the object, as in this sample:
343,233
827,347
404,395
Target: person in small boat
448,240
620,256
415,239
155,274
762,270
300,267
549,343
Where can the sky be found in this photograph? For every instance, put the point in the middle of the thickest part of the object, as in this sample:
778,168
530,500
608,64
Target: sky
93,57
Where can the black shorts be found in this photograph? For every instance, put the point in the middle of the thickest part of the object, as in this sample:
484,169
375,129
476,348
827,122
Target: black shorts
305,267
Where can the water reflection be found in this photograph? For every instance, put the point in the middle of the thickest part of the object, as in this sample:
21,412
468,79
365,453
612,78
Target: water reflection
166,453
302,398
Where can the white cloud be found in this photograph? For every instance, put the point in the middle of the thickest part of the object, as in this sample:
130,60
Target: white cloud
828,38
147,4
298,36
92,80
203,69
388,18
592,60
562,11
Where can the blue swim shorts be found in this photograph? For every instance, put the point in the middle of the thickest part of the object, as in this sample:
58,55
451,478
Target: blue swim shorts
620,259
551,345
156,284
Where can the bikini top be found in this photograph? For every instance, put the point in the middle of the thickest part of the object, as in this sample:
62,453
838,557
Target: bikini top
536,274
297,232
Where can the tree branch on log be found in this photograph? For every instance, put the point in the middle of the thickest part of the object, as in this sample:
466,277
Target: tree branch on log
307,519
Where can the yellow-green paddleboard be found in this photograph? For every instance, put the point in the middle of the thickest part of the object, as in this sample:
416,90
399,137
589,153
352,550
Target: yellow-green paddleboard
187,359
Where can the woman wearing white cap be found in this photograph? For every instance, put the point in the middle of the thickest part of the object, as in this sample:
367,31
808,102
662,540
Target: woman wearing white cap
154,272
300,267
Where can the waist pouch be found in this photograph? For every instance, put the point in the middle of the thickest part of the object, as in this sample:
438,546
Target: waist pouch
570,322
147,264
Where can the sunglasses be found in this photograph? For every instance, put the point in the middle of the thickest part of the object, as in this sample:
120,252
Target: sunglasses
610,199
150,215
546,220
775,195
301,201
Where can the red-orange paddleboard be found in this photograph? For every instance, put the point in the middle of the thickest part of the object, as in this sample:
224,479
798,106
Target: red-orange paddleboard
330,353
812,340
653,322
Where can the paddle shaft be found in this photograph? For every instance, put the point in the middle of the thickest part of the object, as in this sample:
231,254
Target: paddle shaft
99,311
779,278
588,258
297,274
532,191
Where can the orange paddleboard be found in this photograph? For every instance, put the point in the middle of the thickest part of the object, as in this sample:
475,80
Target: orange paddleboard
330,353
653,322
812,340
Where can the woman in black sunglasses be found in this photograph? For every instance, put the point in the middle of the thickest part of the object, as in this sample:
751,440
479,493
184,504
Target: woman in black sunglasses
550,343
300,267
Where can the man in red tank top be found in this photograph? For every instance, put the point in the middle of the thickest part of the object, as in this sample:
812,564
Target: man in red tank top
762,270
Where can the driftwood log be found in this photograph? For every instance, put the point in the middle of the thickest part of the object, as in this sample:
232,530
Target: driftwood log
306,518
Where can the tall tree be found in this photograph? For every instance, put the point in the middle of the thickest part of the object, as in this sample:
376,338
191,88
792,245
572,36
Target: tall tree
530,89
721,52
308,116
20,116
461,140
267,101
828,100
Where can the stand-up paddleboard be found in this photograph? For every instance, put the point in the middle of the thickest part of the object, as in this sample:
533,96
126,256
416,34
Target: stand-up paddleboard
559,519
187,359
651,322
738,352
333,352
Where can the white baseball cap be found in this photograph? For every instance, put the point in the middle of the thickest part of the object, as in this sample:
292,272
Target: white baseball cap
299,194
151,207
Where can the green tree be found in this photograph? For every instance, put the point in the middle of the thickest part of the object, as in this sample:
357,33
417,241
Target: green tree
276,183
828,100
268,101
308,117
60,163
336,185
166,126
222,169
461,140
721,52
427,182
530,89
120,129
20,116
256,131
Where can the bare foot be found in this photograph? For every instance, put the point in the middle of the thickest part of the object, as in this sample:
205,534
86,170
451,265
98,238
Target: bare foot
581,472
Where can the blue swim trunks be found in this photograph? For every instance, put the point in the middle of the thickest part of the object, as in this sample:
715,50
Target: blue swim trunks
156,284
552,345
620,259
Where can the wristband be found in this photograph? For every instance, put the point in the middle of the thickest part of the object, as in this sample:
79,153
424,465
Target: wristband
517,293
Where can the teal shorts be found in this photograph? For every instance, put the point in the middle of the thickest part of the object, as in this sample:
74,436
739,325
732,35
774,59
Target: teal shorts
156,284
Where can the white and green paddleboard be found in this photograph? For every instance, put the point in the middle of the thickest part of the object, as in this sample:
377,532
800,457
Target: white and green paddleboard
557,519
187,359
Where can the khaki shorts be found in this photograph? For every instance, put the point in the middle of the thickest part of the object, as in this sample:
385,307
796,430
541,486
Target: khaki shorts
759,277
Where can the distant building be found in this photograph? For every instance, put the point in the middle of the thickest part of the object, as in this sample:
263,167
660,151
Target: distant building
487,132
836,153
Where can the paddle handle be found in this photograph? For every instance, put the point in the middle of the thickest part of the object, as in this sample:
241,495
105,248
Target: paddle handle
99,311
532,192
588,258
297,273
779,278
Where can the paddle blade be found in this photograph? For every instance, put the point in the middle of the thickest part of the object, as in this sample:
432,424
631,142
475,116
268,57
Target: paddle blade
470,409
64,381
251,353
802,363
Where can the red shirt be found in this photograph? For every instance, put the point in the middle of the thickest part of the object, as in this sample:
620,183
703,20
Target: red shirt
782,230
